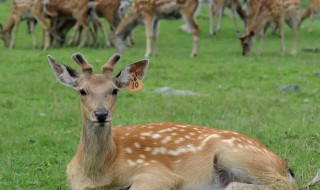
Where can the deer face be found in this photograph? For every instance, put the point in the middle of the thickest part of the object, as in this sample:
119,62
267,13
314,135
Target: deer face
97,92
246,43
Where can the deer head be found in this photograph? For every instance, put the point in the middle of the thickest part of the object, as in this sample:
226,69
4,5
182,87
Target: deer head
97,92
131,19
247,42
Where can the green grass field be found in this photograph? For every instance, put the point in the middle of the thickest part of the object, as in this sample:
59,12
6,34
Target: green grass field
41,122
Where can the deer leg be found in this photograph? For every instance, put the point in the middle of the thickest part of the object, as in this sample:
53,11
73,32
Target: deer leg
281,30
212,15
234,16
311,23
156,25
105,35
76,29
261,43
86,29
155,181
38,14
295,29
34,41
220,18
149,20
238,186
188,13
14,31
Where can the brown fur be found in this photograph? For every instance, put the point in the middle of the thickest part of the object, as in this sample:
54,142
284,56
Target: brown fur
159,156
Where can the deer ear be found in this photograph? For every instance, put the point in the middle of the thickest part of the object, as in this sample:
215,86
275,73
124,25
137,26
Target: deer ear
137,69
1,27
65,74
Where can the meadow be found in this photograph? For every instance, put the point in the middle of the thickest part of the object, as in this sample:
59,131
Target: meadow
40,120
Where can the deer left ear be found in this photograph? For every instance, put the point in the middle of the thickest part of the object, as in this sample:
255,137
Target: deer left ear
65,74
137,69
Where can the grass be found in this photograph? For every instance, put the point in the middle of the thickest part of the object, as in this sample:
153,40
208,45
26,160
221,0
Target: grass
40,119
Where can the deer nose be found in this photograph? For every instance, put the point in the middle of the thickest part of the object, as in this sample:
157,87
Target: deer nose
101,115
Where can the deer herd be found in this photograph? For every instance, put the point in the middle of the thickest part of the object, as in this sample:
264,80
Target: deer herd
82,18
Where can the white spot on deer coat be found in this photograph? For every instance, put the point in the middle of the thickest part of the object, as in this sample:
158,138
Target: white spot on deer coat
137,145
148,149
156,136
166,139
128,150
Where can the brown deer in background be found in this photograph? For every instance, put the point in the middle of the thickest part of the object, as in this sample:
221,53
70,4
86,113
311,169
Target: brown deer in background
266,11
149,13
312,9
158,156
24,9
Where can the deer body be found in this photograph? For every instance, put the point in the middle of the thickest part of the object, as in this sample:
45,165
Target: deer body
158,156
312,9
149,13
173,156
264,12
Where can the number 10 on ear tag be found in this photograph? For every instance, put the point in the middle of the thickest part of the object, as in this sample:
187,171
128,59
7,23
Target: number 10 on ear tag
135,84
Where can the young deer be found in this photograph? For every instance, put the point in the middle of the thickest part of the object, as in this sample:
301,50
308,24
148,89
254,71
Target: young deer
217,7
24,9
158,156
149,13
265,12
312,9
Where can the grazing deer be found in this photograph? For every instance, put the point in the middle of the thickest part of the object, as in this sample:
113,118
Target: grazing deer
158,156
312,9
217,7
149,13
78,9
24,9
265,12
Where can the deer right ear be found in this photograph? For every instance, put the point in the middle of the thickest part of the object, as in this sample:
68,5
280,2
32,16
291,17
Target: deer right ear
137,69
65,74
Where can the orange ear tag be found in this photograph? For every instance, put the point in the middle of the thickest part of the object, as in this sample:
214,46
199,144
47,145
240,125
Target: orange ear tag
135,84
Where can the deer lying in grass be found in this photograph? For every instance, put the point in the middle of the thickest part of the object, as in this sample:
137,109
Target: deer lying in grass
217,7
266,12
149,13
24,9
312,9
158,156
75,8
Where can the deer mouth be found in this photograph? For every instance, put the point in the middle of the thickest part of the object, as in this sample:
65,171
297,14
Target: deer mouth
102,123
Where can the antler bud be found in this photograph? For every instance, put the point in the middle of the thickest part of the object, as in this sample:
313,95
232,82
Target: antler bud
83,63
111,63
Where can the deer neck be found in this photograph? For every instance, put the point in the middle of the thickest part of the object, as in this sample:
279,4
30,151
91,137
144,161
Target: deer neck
96,149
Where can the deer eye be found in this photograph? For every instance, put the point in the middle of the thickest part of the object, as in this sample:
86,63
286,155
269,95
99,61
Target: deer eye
82,92
115,92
